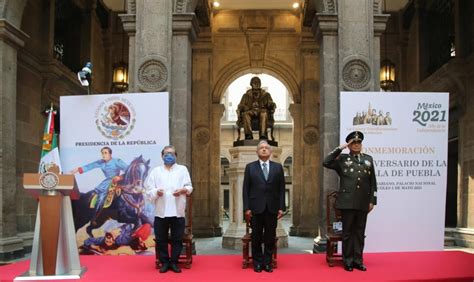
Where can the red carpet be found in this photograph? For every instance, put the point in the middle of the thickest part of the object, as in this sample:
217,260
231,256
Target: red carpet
416,266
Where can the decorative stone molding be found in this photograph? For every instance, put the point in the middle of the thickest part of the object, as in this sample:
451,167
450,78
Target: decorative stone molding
12,35
355,75
152,75
186,24
327,6
377,7
180,6
310,135
202,135
131,7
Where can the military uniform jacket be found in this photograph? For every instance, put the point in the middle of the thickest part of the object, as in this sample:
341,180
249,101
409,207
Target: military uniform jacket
357,183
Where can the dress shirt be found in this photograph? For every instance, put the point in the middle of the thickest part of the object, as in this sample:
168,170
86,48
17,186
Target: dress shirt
268,165
160,178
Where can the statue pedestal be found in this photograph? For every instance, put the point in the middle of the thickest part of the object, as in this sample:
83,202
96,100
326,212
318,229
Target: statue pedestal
241,156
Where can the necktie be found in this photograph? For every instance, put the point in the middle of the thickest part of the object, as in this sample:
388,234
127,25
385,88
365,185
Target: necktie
265,170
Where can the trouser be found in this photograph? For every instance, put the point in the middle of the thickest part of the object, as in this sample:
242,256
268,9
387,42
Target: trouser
263,230
353,235
161,228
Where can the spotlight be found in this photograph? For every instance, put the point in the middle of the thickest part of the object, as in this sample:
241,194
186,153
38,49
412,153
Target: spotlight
296,5
85,75
216,4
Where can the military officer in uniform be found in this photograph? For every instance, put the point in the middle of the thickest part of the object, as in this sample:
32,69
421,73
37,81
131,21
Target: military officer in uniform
357,196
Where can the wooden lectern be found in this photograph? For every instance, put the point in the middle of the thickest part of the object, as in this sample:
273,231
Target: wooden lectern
54,254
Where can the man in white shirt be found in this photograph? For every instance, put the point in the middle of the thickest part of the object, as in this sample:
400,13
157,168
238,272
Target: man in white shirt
167,187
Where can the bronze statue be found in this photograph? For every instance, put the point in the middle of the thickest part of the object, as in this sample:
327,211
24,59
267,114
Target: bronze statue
256,105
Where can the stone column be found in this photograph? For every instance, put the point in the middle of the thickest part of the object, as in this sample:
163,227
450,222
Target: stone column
150,54
326,32
206,117
185,27
11,39
129,26
295,111
241,156
350,61
380,23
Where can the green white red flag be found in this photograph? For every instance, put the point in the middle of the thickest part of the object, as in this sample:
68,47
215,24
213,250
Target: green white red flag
50,160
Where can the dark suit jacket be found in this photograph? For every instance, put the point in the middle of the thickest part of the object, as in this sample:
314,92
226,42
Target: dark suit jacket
357,183
258,193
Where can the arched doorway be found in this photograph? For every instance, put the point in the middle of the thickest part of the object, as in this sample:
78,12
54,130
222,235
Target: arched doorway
241,42
283,128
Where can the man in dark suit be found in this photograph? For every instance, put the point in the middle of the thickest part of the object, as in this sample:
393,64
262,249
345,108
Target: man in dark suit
357,196
264,203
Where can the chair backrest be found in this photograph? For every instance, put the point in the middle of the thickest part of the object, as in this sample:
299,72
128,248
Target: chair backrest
247,225
332,213
189,215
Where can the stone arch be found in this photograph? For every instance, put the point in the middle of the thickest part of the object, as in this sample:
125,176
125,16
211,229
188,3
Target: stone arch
12,11
240,67
285,154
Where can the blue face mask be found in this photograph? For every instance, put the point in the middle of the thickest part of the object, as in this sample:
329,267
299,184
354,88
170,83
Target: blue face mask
169,159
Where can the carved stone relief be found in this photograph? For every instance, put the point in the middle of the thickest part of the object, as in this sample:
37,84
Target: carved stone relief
310,135
355,75
202,135
152,75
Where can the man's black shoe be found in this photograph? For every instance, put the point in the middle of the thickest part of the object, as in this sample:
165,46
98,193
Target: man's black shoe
360,267
175,268
348,267
164,267
257,268
248,136
268,268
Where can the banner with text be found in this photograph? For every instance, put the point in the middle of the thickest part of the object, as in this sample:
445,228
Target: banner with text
407,136
111,142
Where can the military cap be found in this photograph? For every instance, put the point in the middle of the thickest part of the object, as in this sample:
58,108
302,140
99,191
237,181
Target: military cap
356,135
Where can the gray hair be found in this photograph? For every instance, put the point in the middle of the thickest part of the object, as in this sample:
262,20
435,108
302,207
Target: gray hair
262,142
169,147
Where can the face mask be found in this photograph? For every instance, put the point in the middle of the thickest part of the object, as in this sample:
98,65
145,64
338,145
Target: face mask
169,159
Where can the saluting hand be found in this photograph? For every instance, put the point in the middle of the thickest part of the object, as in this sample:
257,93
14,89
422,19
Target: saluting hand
371,207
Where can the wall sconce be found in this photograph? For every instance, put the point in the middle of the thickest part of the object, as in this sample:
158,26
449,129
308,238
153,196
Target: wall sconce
120,77
387,75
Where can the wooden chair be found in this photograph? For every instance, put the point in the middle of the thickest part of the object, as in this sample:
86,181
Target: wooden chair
332,236
246,246
186,257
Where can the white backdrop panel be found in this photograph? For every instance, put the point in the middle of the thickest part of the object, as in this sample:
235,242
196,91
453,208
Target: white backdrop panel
410,155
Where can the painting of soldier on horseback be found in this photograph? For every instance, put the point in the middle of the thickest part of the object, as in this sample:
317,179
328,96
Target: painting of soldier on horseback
110,149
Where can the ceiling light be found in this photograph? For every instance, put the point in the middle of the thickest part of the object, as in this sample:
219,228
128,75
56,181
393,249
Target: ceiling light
296,5
216,4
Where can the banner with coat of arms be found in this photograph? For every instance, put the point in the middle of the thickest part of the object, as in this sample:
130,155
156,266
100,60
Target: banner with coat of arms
407,136
110,142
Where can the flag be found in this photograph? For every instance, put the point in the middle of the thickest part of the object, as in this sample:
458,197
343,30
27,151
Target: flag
50,160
